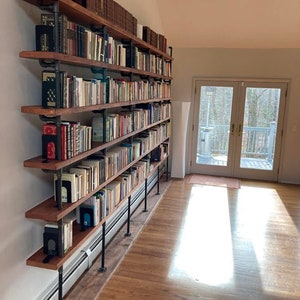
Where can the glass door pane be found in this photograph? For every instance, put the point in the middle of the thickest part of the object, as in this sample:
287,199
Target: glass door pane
259,128
214,125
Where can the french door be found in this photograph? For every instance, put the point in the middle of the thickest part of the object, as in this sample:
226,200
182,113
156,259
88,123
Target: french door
237,128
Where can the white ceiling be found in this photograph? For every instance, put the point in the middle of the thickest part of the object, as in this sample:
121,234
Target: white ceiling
231,23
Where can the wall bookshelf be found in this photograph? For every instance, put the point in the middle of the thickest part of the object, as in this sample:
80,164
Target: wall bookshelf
51,210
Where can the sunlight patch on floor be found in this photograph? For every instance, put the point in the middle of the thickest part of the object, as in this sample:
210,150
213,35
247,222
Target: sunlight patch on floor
204,251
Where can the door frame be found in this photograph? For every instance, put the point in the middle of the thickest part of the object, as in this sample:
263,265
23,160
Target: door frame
283,107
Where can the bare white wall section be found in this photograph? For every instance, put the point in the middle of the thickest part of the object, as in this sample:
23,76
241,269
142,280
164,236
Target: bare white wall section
21,188
180,117
247,63
231,23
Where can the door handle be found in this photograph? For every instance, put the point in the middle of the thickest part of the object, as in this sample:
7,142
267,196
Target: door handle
232,129
240,129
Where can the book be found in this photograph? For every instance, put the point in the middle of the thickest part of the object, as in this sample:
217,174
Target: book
44,39
49,141
47,19
69,191
84,182
114,193
89,212
102,198
94,165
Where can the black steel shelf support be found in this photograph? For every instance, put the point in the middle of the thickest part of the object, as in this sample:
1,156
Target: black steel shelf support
146,194
47,63
103,269
60,238
128,233
157,182
167,169
60,283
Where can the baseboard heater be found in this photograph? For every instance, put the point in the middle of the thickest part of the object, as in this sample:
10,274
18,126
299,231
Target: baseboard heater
85,258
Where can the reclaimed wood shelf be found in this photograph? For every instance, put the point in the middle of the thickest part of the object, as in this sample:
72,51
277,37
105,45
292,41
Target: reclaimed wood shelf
54,112
84,62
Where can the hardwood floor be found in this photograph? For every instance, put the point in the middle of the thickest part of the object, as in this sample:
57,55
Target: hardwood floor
205,242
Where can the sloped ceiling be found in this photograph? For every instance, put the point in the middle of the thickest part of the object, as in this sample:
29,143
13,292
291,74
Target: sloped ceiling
231,23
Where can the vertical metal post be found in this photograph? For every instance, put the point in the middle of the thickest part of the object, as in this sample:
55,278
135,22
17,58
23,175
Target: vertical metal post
60,283
56,26
157,182
104,126
56,49
167,175
102,269
60,238
146,193
128,233
58,187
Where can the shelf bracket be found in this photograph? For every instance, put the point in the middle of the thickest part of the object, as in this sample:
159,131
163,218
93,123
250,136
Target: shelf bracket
101,71
47,63
47,119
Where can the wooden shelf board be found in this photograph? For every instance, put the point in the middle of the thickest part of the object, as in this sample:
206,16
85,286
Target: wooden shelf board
84,62
79,238
53,112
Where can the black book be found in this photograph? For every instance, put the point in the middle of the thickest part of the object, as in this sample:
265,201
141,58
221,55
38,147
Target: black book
44,40
49,95
48,20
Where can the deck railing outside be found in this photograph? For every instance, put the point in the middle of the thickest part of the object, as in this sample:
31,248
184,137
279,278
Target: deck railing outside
257,142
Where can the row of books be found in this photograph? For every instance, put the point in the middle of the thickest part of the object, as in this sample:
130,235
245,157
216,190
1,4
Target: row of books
78,92
157,40
80,179
150,63
126,91
75,138
77,40
160,152
102,203
85,177
108,127
51,237
114,12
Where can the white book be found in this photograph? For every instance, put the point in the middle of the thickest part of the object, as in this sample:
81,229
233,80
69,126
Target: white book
68,191
83,173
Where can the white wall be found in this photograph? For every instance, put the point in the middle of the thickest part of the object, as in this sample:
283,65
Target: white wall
23,188
247,63
20,139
